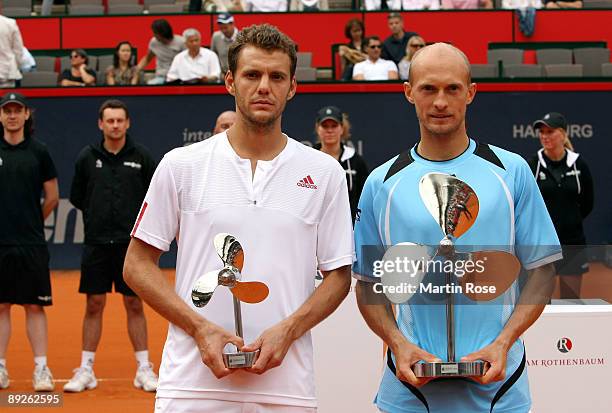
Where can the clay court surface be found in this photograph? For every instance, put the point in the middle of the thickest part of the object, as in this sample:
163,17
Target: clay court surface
115,364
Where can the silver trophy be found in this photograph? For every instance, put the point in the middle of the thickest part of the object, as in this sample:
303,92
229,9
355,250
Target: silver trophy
454,205
230,251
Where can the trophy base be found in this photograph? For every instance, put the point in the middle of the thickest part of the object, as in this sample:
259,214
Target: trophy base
240,359
450,369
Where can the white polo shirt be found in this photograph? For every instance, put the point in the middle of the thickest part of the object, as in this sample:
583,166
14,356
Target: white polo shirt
291,217
185,68
378,70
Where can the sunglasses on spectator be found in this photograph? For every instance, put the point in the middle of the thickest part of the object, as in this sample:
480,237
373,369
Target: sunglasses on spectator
418,45
75,55
375,46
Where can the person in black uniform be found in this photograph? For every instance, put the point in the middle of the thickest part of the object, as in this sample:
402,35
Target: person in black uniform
567,188
332,129
26,171
110,181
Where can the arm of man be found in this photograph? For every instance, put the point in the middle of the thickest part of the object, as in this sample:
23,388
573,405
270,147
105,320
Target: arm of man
67,82
379,317
79,184
275,341
51,199
534,297
142,273
145,60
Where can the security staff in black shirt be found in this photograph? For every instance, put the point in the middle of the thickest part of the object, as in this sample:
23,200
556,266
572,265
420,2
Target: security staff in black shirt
567,188
110,181
26,172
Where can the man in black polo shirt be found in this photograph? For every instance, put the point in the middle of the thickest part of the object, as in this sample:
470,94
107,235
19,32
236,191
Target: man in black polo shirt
394,46
110,181
26,172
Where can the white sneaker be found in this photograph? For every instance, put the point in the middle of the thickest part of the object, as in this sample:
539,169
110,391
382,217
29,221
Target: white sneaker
43,379
4,378
146,378
83,379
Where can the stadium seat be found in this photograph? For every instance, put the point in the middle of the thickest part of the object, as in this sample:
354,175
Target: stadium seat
522,70
165,8
125,8
37,79
606,69
506,56
553,56
306,74
104,61
16,11
17,3
148,3
591,59
85,9
563,70
304,59
122,2
45,63
485,71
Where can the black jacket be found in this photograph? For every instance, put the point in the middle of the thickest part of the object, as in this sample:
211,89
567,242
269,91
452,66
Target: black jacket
356,174
569,198
109,189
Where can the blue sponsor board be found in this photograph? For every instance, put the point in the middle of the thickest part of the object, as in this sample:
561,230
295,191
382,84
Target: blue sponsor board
383,124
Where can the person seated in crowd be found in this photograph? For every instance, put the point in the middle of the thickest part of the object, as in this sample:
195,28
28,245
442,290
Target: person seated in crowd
78,74
224,121
552,4
394,46
265,5
467,4
123,71
308,5
374,67
163,46
414,44
223,38
521,4
353,51
195,65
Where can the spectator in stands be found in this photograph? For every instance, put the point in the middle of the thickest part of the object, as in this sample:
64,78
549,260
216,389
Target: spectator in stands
374,67
78,74
394,46
552,4
163,46
521,4
353,51
467,4
223,38
195,65
308,5
402,4
265,5
333,130
224,121
11,52
415,44
123,71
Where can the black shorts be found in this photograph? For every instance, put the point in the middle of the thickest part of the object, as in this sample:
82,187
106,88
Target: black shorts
24,275
101,266
574,262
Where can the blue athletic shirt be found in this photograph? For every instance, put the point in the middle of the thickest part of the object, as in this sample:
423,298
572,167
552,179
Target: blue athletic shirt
511,215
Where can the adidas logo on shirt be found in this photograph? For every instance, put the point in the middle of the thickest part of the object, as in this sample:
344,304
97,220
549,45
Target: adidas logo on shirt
98,163
307,183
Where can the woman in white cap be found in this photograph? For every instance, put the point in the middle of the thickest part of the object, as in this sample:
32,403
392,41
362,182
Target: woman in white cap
567,188
333,129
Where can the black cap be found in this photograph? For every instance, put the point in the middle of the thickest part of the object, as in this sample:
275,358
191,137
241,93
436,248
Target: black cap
13,97
329,112
552,120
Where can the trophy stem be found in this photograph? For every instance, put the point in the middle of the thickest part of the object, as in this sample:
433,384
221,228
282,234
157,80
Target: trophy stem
450,322
238,317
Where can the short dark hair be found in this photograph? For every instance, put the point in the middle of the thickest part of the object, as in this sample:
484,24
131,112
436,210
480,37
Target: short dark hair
349,26
113,104
263,36
395,15
82,53
162,28
368,39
